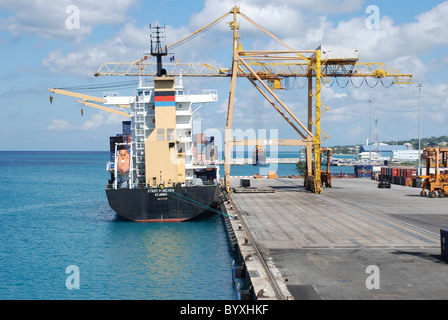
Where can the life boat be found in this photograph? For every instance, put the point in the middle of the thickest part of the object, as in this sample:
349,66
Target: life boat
123,162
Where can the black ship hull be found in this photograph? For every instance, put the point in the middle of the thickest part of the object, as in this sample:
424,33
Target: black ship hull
164,205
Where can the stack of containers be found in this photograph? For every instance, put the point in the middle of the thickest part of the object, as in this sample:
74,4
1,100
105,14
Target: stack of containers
127,128
204,150
209,149
386,174
402,176
405,176
363,171
411,177
194,151
199,148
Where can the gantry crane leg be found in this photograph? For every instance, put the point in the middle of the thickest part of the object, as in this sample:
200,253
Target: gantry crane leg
228,141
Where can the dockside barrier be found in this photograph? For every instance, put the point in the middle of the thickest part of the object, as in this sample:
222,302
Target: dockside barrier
252,277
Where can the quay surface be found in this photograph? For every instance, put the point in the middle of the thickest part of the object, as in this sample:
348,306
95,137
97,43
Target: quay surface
320,246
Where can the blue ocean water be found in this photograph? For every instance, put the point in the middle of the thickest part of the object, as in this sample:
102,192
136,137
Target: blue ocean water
282,169
54,214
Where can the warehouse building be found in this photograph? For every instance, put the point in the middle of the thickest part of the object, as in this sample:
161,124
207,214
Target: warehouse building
398,153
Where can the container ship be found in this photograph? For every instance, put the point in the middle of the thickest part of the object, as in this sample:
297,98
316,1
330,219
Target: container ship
160,171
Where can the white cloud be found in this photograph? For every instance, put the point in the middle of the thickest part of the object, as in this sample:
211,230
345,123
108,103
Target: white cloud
47,18
99,119
92,122
402,46
294,21
123,47
392,41
59,124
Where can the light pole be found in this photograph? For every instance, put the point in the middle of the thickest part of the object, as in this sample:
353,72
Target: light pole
419,86
370,131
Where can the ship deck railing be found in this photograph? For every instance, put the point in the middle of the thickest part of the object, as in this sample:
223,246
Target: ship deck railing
138,186
143,186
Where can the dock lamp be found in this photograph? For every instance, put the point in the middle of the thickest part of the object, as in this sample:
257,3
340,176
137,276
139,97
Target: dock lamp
419,86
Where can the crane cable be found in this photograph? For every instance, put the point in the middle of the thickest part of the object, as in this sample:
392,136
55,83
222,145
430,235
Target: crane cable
188,38
102,86
197,33
191,201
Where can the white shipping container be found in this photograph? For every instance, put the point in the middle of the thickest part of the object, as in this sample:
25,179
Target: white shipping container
431,170
338,53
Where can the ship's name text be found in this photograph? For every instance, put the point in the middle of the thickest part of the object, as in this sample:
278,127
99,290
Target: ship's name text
160,190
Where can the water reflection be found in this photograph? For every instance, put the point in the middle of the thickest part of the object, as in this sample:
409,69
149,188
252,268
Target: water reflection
189,260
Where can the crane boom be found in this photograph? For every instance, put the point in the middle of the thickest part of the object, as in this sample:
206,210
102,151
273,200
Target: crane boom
84,97
109,110
278,69
86,100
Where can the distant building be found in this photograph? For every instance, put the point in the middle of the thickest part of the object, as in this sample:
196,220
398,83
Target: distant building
397,153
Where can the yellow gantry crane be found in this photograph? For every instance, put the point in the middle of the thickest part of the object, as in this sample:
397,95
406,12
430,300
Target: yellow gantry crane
265,70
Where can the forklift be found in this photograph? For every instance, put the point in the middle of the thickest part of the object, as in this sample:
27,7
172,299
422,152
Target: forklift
436,183
326,175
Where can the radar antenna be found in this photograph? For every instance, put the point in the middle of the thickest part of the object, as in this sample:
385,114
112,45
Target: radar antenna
156,48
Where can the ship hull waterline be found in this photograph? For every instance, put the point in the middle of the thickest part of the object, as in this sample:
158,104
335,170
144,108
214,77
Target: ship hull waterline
174,204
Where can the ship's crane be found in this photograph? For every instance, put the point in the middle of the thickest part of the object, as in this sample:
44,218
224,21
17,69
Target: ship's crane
88,101
265,70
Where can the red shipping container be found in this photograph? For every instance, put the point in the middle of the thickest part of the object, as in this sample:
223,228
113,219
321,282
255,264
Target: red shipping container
394,172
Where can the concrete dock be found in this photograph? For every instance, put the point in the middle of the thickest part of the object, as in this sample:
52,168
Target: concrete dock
353,241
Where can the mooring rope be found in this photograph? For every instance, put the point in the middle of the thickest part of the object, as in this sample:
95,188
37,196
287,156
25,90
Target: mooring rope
185,199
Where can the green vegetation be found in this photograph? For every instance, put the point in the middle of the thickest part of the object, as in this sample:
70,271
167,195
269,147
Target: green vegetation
345,149
424,142
301,167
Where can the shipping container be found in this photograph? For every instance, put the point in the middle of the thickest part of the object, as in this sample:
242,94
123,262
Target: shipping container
126,127
338,53
411,173
113,140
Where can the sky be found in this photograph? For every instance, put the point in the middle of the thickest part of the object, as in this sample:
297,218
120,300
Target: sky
53,44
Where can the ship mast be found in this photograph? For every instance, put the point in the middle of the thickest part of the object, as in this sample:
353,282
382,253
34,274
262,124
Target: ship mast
156,49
